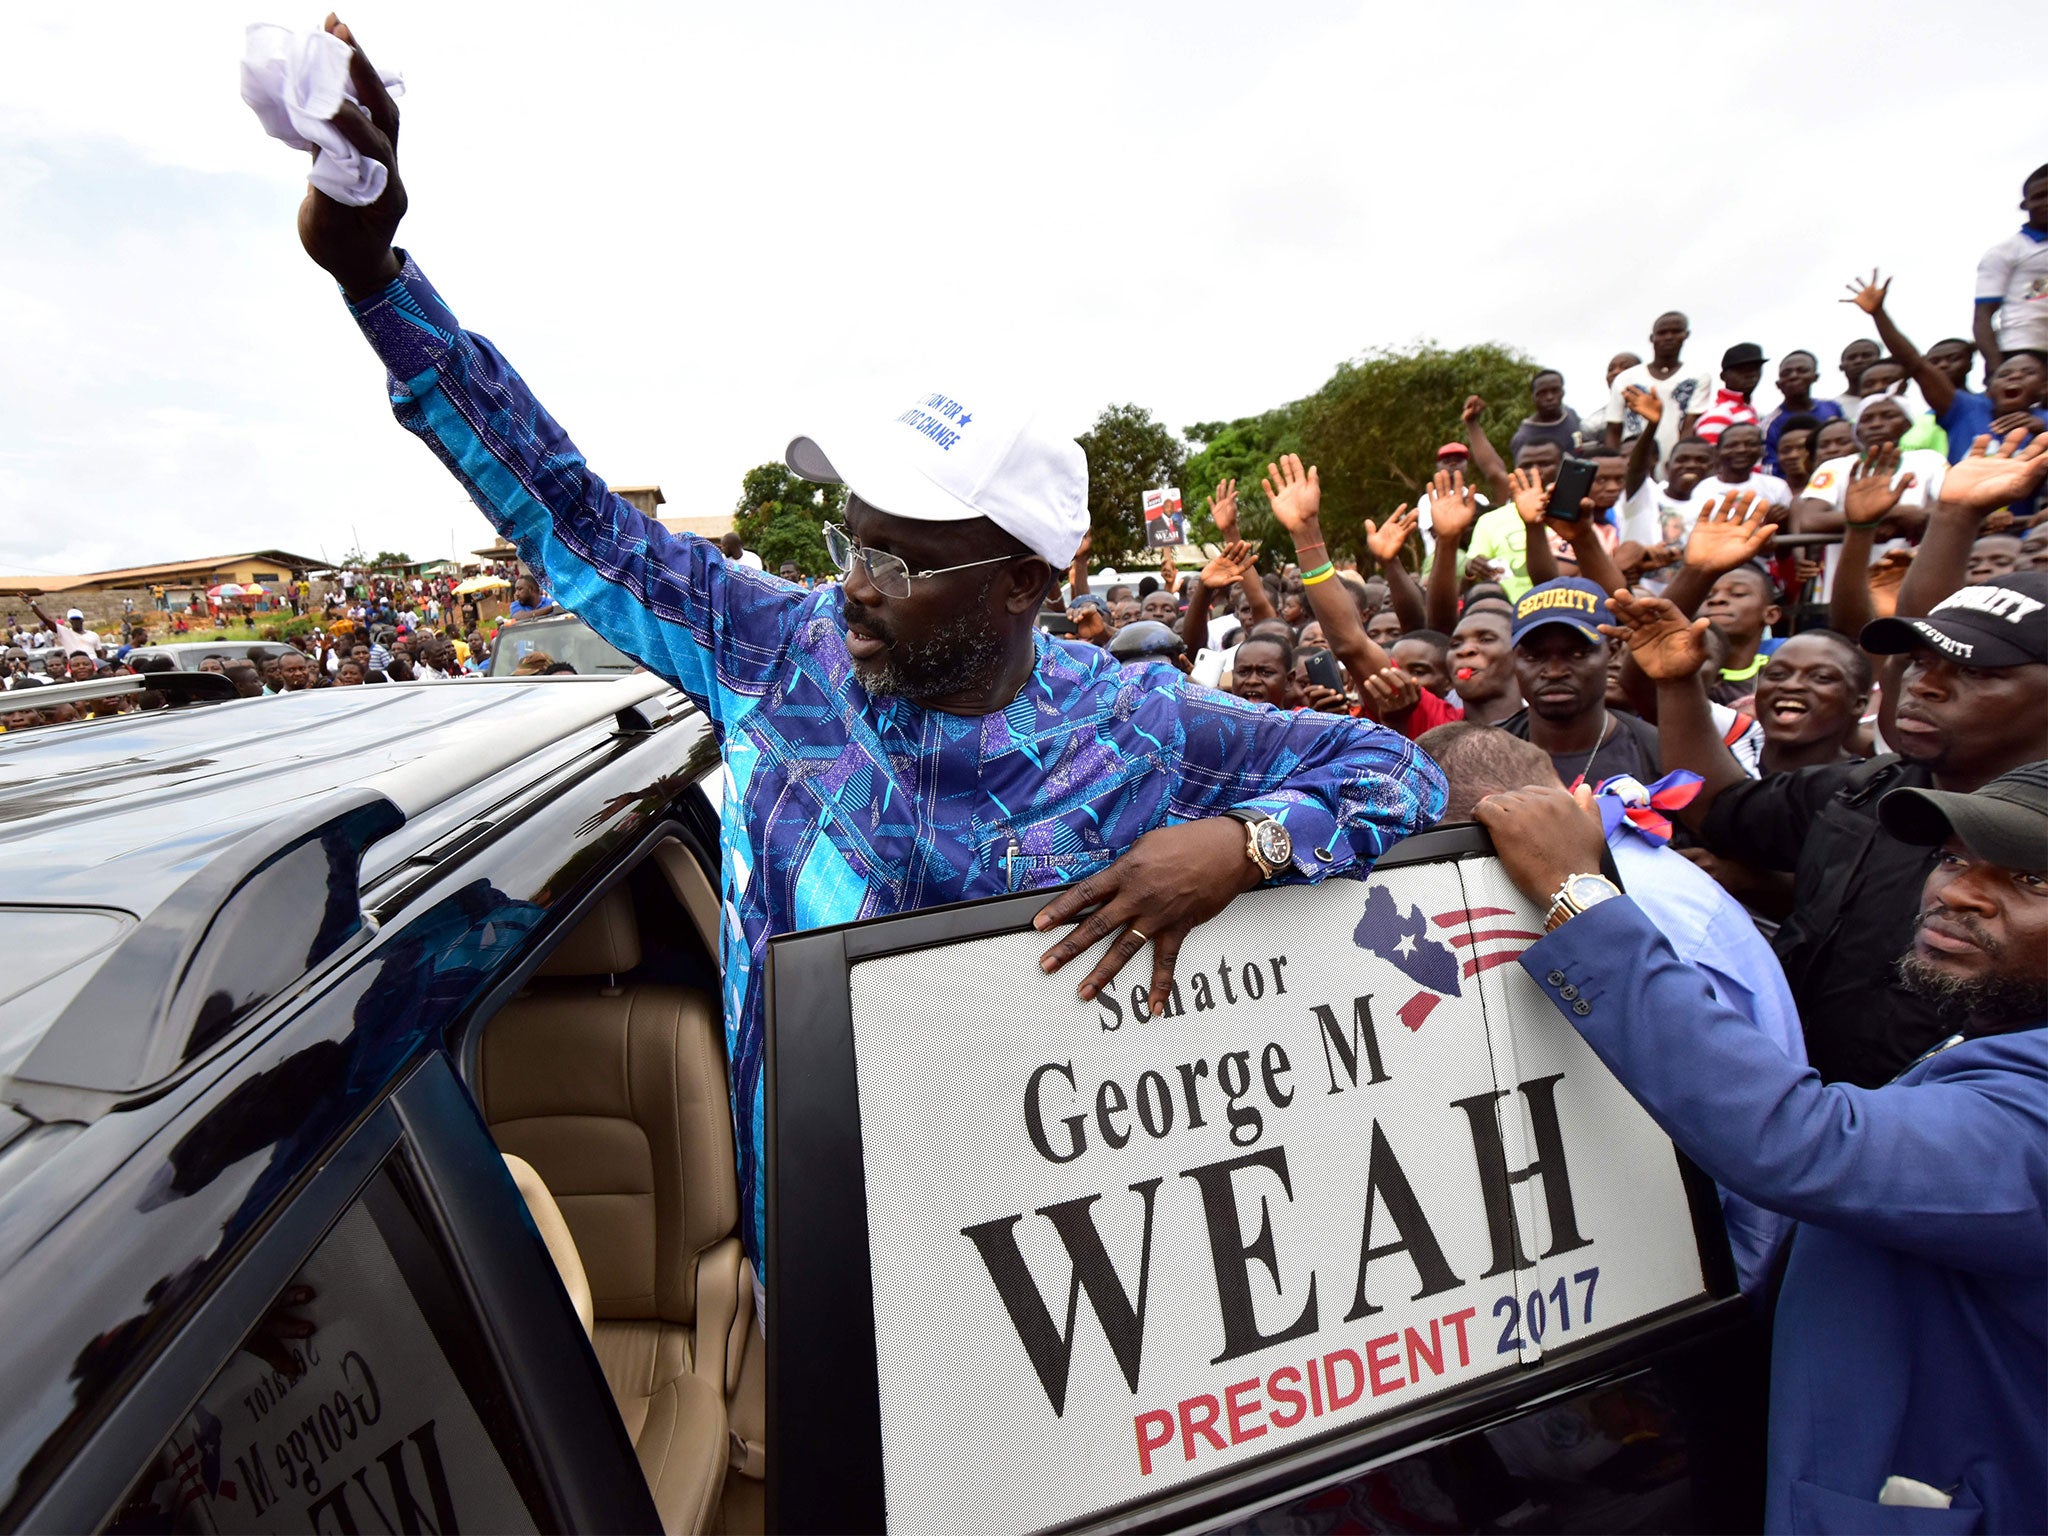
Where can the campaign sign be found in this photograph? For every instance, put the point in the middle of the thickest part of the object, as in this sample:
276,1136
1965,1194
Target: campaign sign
1165,522
1358,1161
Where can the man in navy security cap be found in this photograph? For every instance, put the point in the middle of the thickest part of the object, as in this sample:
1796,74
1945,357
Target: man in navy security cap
907,736
1561,664
1910,1354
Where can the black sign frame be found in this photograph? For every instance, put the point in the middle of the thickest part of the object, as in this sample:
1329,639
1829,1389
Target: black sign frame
824,1471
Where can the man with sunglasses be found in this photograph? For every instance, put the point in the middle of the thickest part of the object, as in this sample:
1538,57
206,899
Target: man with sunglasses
906,737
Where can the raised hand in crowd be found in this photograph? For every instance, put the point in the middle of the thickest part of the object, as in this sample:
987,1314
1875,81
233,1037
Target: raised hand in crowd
1532,496
1995,472
1226,570
1169,573
1077,574
1473,410
1223,510
1871,494
1296,495
1532,504
1667,645
1452,508
1868,295
1387,541
1670,649
1646,403
1452,511
1385,544
1989,476
353,245
1736,529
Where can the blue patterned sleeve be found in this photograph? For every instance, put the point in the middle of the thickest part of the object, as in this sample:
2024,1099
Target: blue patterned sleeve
717,630
1345,789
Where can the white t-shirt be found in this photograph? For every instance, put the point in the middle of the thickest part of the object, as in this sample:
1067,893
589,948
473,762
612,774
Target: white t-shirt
1654,516
1925,466
1689,391
77,640
2013,274
1769,487
1829,481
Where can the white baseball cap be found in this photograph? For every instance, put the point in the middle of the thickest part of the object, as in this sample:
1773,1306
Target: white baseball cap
944,460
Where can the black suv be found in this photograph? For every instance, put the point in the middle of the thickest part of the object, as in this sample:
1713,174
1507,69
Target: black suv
365,1162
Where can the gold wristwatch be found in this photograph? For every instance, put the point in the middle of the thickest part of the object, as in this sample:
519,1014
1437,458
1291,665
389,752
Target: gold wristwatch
1576,894
1266,842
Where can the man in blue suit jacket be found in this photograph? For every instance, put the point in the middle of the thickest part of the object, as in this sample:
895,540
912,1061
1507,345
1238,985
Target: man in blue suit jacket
1910,1364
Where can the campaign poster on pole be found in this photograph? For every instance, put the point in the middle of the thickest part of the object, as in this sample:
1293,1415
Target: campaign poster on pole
1165,524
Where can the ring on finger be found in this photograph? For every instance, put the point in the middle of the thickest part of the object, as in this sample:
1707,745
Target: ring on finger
1132,931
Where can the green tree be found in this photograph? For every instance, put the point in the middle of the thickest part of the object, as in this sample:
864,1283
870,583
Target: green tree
1129,453
389,560
782,517
1240,450
1373,430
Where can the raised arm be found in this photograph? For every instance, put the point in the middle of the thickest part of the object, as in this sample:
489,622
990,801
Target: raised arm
1725,535
1077,573
1485,458
1297,498
1991,475
671,601
1671,650
1532,502
1219,575
1452,511
1389,547
1649,405
1935,386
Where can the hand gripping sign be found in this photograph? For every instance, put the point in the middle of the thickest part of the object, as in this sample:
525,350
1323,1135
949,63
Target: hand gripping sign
1357,1163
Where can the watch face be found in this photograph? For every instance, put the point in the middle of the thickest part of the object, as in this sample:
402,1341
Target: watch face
1587,889
1275,846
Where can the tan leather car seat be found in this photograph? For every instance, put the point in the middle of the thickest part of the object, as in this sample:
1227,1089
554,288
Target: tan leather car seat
554,1231
617,1097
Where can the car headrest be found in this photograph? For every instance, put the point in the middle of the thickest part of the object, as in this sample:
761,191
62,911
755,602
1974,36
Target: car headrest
604,942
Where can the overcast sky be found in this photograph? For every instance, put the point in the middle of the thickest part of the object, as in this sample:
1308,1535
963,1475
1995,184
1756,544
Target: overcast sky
693,227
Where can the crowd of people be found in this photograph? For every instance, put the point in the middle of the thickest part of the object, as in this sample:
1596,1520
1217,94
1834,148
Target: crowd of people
373,629
1783,672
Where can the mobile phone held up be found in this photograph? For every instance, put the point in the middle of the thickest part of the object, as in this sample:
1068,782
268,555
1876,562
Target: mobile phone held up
1573,485
1321,667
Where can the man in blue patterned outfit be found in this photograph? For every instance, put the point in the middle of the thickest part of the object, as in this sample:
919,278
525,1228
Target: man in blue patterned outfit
905,737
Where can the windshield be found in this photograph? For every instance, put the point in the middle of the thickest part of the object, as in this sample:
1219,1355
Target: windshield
561,640
53,951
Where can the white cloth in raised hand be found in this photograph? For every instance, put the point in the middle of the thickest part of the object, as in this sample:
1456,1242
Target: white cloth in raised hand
295,82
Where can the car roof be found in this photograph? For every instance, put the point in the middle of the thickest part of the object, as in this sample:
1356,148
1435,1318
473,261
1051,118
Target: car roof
111,823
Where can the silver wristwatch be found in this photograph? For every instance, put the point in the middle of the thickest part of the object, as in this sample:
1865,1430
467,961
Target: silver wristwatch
1576,894
1266,842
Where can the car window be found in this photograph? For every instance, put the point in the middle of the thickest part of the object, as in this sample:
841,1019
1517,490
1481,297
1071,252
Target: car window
53,951
364,1399
571,641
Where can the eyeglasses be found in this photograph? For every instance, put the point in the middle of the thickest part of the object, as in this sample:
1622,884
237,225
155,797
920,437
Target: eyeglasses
892,578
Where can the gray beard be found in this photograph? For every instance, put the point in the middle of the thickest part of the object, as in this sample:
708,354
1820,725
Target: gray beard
1993,1004
961,657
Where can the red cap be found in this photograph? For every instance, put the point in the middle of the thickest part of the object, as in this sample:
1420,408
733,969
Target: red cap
1454,448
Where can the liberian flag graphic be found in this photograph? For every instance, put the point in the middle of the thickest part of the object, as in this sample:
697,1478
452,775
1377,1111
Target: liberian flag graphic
1484,935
